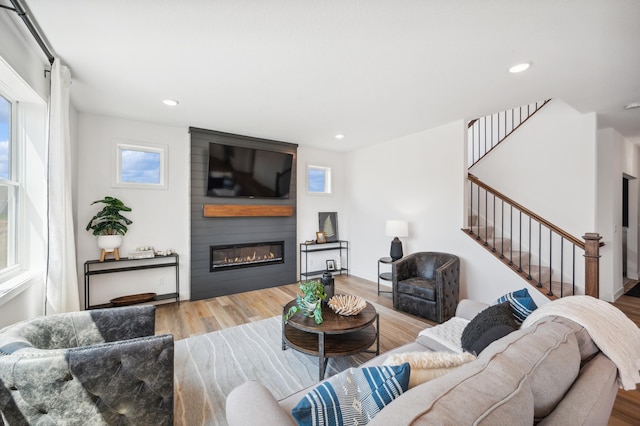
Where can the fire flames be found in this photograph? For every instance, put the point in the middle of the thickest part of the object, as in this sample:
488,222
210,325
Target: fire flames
248,259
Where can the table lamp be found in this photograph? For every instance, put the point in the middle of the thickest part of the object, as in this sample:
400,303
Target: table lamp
396,228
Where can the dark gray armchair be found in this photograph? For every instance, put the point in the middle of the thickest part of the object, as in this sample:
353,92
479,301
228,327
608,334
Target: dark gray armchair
99,367
427,284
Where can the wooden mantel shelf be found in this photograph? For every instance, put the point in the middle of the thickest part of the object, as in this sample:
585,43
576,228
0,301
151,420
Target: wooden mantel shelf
243,210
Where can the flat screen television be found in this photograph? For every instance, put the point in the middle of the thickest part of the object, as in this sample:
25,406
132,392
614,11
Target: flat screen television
236,171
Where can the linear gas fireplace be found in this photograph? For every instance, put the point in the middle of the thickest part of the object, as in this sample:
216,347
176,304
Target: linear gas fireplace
234,256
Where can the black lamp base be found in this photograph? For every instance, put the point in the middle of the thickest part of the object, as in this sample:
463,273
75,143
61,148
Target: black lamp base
396,249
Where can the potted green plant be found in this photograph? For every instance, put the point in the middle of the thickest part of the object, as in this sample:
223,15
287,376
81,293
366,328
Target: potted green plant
310,302
109,225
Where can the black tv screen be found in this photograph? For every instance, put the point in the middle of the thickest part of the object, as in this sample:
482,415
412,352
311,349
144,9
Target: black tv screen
236,171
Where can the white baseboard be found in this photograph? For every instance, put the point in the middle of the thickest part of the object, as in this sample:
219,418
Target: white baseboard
618,293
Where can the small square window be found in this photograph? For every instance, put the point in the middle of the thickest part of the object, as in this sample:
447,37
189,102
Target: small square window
141,166
318,179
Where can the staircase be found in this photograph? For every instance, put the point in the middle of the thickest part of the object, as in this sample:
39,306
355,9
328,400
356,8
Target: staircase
547,257
521,262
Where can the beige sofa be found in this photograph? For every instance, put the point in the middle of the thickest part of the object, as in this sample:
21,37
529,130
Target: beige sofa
550,373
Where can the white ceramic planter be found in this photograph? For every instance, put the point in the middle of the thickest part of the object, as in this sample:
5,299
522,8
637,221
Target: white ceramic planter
109,243
310,308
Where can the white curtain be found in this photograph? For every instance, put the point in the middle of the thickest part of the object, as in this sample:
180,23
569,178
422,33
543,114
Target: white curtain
61,280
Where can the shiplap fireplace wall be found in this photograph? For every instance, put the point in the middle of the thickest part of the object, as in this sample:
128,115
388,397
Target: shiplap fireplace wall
217,221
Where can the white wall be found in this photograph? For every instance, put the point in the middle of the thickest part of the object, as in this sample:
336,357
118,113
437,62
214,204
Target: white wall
27,303
309,205
616,156
160,216
420,178
549,166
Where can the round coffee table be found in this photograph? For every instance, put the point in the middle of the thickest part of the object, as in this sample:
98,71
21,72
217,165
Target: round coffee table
337,336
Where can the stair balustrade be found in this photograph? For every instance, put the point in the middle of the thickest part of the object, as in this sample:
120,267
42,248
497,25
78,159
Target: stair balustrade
539,251
487,132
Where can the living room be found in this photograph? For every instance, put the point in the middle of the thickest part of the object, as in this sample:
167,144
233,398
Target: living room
415,171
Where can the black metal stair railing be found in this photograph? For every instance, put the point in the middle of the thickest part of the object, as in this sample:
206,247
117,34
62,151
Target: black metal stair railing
487,132
537,250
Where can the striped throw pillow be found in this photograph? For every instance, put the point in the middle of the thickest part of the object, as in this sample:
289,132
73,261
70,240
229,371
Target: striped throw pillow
521,304
352,397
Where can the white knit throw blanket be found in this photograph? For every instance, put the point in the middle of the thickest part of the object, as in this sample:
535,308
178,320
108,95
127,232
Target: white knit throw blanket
448,334
615,334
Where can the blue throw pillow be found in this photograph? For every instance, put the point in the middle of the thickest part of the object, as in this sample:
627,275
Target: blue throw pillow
352,397
521,304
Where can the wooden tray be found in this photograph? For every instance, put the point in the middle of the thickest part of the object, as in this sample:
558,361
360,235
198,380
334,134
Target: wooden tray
132,299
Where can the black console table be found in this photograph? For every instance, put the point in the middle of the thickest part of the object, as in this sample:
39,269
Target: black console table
306,249
126,264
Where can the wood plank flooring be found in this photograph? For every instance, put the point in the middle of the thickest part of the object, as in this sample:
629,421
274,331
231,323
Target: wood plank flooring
396,328
626,410
204,316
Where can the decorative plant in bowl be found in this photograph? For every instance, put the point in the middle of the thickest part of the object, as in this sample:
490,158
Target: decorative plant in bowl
310,302
109,225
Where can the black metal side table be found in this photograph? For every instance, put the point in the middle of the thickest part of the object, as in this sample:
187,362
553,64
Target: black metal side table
384,276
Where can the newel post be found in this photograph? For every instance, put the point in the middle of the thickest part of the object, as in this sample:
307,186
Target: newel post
592,264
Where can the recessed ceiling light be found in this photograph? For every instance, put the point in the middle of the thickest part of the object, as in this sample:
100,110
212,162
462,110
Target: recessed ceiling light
520,67
339,136
632,105
170,102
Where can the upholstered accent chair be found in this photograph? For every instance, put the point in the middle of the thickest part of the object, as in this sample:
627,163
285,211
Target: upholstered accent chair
99,367
427,284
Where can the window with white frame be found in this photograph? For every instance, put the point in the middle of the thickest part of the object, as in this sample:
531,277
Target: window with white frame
141,166
318,179
23,194
9,186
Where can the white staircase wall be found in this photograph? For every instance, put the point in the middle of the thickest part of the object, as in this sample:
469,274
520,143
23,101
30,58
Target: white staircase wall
420,178
549,166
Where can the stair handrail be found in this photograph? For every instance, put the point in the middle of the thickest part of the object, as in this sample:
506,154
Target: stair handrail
578,242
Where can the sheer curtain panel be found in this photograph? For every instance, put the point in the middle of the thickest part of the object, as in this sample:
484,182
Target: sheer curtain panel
62,280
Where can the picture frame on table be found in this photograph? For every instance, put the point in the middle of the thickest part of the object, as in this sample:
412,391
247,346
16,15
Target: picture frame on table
331,265
320,237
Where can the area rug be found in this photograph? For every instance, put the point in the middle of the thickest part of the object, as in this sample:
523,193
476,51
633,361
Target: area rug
209,366
635,291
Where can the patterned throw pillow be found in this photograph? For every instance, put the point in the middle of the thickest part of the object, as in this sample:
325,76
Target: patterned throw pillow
352,397
521,304
491,317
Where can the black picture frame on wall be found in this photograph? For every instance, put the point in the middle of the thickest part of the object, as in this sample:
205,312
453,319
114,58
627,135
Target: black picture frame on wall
328,223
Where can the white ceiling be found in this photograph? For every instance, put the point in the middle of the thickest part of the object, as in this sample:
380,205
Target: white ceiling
304,70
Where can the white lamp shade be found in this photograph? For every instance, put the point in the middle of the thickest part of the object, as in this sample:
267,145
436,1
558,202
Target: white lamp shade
396,228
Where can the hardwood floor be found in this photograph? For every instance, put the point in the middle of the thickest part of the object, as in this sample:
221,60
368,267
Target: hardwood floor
204,316
396,328
626,410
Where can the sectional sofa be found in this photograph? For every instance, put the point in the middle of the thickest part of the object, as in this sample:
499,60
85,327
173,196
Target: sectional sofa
547,373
